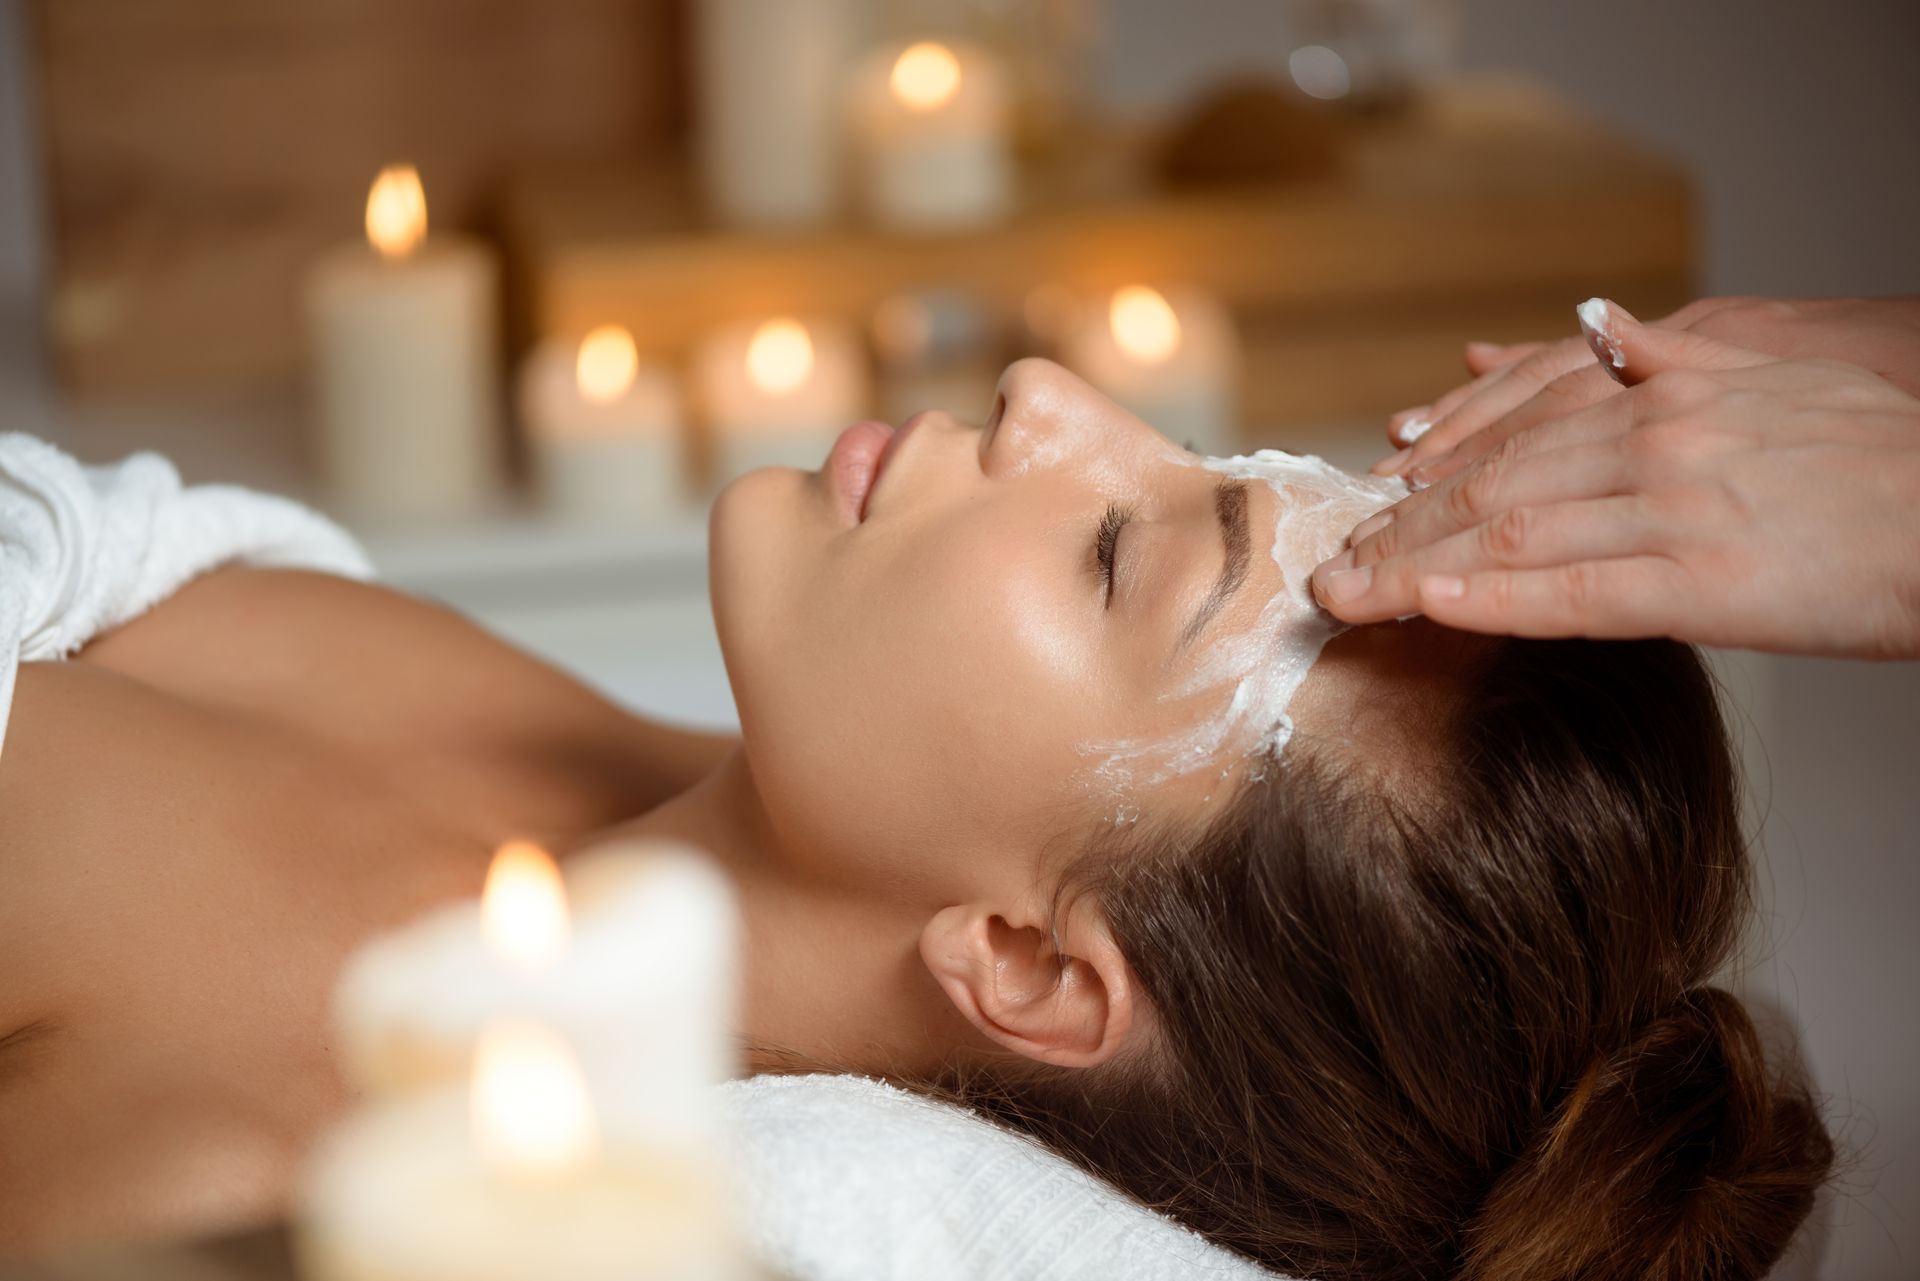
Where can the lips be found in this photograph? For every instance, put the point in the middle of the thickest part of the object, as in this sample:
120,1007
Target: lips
853,466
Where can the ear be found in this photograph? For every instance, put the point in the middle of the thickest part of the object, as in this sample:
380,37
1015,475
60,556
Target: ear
1072,1007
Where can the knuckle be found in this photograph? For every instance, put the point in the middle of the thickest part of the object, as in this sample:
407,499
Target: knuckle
1580,587
1472,496
1506,537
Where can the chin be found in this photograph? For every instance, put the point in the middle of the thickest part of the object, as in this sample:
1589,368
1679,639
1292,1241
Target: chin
763,532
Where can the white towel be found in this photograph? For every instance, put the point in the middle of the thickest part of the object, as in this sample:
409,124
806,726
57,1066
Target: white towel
84,549
848,1179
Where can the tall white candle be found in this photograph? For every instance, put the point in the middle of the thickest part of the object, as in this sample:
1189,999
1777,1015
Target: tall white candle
767,126
1172,359
404,329
604,429
933,126
776,393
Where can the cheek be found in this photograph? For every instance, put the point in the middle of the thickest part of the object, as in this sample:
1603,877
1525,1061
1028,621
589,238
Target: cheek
925,701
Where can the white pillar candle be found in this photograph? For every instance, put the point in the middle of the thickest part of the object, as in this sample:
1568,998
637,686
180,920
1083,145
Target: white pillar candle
1172,359
631,958
512,1179
404,330
767,126
776,393
604,429
933,127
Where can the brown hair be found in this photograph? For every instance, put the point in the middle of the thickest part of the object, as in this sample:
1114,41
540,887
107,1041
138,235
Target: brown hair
1459,1034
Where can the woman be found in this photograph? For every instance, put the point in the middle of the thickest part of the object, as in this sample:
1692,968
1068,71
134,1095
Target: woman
1420,993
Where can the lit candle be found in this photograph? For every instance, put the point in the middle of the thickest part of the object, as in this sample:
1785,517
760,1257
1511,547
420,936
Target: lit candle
514,1179
932,121
647,946
776,393
1172,359
404,328
603,428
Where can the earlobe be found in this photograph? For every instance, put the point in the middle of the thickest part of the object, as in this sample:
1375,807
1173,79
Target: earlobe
1071,1007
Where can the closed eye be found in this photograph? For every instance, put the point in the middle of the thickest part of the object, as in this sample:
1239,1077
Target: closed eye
1106,542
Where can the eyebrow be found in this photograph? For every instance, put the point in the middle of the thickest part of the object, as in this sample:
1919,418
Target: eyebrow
1230,505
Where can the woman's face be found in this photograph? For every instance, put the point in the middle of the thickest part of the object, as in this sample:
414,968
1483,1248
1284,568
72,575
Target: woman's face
920,675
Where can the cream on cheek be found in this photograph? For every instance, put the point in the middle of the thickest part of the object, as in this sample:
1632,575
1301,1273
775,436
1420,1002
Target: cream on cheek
1262,666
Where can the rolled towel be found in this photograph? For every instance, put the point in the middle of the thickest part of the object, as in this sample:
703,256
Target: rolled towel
85,549
843,1178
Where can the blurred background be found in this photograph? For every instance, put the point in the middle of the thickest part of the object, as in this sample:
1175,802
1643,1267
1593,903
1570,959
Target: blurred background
512,285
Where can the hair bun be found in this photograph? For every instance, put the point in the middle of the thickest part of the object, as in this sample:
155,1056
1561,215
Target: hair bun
1678,1156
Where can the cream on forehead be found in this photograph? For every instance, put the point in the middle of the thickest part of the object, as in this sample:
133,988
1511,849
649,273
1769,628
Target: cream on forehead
1315,506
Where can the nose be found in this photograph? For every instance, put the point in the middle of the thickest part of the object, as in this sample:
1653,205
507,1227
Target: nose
1040,412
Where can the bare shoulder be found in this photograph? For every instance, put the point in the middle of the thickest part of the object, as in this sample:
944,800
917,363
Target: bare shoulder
374,670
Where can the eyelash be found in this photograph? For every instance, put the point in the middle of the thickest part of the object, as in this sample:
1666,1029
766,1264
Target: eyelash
1106,540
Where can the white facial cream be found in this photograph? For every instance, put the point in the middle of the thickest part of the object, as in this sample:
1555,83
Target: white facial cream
1316,505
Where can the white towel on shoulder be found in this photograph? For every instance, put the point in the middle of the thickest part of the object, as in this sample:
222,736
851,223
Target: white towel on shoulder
84,549
843,1178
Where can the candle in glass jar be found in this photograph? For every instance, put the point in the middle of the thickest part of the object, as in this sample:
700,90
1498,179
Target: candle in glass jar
403,329
603,428
776,393
1171,359
932,124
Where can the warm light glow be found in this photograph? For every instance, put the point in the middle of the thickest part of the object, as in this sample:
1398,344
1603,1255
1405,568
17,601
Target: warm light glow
532,1115
1144,326
396,212
1320,72
523,911
607,364
926,76
780,357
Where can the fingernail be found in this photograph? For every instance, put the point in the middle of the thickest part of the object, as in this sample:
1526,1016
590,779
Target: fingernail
1485,350
1334,564
1344,585
1392,463
1442,587
1596,322
1418,479
1371,526
1413,429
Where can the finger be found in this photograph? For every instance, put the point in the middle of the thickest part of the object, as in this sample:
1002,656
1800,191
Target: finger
1619,599
1409,425
1588,471
1519,538
1493,397
1574,457
1564,396
1632,352
1485,357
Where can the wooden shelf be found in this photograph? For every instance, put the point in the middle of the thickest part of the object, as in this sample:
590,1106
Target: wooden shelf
1487,210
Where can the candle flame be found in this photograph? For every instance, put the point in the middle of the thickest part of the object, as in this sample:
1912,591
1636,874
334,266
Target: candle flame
607,364
523,910
780,357
396,212
531,1112
1144,326
926,77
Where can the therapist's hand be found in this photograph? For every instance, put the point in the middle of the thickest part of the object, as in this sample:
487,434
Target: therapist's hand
1724,497
1879,334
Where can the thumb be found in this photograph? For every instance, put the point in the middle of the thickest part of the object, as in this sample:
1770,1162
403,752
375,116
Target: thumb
1633,352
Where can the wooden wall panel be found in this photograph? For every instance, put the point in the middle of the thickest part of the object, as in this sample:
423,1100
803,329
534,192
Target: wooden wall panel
201,152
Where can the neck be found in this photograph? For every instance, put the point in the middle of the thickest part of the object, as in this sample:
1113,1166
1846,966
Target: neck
833,977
